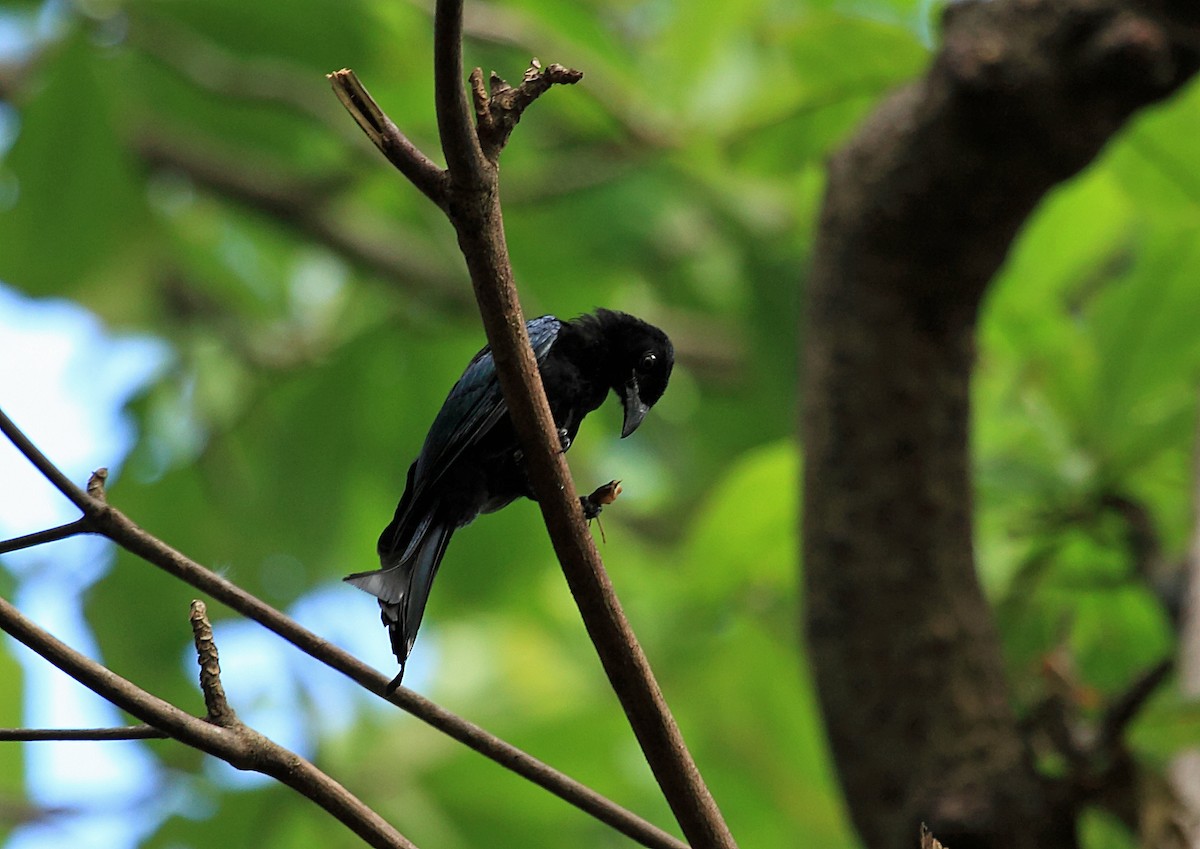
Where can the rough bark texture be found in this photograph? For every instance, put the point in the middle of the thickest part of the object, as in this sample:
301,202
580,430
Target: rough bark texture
921,208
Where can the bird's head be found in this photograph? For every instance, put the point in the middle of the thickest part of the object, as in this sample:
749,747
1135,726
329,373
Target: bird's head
641,358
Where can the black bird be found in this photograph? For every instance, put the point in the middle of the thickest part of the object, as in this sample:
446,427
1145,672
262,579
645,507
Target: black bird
471,462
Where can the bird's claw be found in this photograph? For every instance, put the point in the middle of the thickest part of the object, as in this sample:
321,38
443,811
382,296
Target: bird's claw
564,442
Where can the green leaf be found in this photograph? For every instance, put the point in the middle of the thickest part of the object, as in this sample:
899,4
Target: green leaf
1166,727
11,716
1098,829
78,209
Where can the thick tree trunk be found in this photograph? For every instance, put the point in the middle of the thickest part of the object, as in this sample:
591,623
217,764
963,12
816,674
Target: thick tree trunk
921,208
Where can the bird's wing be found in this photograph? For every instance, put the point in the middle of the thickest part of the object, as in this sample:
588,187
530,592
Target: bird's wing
474,406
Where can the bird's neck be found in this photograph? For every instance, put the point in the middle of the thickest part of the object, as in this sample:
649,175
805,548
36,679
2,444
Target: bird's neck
586,347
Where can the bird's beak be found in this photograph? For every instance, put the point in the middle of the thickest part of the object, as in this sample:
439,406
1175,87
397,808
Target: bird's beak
635,410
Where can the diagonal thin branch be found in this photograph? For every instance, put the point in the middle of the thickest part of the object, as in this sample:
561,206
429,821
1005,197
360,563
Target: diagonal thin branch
52,473
117,527
421,171
79,526
120,691
38,735
238,745
474,210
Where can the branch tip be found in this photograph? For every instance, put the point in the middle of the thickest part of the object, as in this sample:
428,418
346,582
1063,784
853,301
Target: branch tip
481,99
219,711
358,102
497,84
408,159
95,484
506,104
42,463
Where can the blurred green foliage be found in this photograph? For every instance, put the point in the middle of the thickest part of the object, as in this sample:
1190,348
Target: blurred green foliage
183,169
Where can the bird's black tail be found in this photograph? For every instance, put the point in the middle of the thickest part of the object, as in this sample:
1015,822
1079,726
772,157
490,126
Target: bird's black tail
403,588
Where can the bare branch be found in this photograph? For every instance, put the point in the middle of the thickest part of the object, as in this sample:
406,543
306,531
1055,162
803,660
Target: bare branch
632,107
473,207
96,483
219,711
498,111
125,533
460,145
114,688
477,218
38,735
421,171
120,529
52,473
79,526
237,744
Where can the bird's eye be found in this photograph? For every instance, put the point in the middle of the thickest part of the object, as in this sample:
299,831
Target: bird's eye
647,362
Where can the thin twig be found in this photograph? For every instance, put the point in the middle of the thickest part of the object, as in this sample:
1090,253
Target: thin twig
79,526
121,692
631,107
52,473
500,108
120,529
125,732
97,480
464,156
219,711
421,171
239,745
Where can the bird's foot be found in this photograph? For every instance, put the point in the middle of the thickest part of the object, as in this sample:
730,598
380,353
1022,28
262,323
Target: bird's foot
564,442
